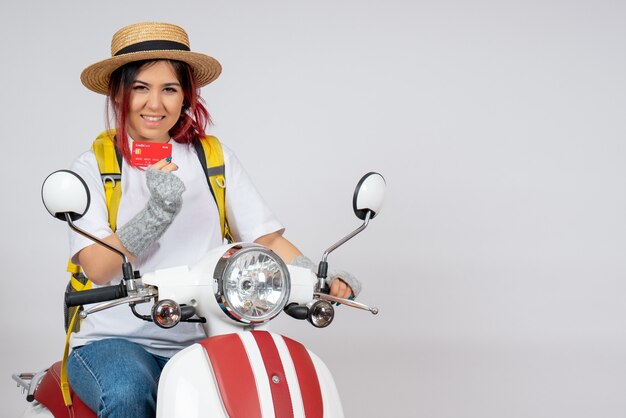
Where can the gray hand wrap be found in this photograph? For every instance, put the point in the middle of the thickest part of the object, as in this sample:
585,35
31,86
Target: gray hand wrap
353,282
143,230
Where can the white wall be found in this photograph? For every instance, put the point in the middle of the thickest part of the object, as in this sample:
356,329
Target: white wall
498,262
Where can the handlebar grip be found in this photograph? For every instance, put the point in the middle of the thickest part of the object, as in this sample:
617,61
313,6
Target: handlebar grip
101,294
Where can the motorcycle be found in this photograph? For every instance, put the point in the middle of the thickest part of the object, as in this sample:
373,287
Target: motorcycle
241,369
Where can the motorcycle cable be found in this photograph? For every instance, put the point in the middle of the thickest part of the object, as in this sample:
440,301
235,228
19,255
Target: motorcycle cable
186,314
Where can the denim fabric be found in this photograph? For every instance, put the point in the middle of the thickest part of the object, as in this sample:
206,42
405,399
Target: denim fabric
116,378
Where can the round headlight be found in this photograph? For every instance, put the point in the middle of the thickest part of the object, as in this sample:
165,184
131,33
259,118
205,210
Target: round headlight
252,283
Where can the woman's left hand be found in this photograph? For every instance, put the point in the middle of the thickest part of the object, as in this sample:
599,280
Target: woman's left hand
340,289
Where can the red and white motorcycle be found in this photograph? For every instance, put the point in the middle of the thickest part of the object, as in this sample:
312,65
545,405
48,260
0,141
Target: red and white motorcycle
242,369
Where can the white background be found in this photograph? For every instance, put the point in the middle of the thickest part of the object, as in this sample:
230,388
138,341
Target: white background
498,262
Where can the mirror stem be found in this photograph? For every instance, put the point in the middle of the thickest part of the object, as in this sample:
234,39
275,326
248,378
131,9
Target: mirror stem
323,267
127,269
91,237
347,237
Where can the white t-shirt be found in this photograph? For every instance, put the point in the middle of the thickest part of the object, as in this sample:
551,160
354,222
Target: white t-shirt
194,231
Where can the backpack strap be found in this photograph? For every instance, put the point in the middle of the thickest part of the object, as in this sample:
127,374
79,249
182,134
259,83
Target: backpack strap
65,385
210,154
109,163
211,158
78,281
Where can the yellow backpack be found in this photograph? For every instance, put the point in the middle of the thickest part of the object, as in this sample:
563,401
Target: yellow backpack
109,160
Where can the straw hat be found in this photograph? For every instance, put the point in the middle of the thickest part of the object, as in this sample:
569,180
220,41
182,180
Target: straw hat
146,41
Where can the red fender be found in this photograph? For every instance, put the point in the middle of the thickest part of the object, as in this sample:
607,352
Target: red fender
236,380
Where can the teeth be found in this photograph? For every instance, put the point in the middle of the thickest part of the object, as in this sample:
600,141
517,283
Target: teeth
152,118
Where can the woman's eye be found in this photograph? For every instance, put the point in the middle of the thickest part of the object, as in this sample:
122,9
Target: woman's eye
170,90
139,87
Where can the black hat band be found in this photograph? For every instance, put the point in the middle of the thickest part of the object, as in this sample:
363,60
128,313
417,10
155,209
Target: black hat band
157,45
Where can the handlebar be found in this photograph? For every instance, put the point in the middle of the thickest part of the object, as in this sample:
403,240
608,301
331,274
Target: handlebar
100,294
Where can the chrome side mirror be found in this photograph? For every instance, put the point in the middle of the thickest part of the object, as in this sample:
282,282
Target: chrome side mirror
66,196
366,202
65,192
369,195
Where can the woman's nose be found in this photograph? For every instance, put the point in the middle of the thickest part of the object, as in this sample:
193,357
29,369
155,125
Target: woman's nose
154,100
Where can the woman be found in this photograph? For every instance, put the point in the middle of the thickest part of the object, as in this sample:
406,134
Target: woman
166,216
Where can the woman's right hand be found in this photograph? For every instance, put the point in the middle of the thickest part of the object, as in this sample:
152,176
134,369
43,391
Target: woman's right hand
145,228
165,164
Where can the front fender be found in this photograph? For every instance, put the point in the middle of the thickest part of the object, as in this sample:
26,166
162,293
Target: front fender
249,374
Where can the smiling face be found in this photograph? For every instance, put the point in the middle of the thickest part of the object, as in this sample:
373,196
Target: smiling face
156,101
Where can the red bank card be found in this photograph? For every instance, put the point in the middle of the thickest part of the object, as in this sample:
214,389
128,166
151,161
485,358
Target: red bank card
148,153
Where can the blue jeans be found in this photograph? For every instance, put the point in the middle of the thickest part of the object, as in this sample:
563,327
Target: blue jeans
116,378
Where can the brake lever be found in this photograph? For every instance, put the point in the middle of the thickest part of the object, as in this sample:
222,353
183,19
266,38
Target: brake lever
144,296
344,301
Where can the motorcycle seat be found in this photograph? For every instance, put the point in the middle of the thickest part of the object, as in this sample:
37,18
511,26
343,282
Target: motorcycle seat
49,394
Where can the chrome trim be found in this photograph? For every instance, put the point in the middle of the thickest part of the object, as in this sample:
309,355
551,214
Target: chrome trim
348,302
29,382
222,265
143,296
93,238
321,313
366,221
351,235
154,312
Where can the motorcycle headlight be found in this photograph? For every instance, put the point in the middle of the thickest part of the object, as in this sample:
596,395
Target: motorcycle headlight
252,283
